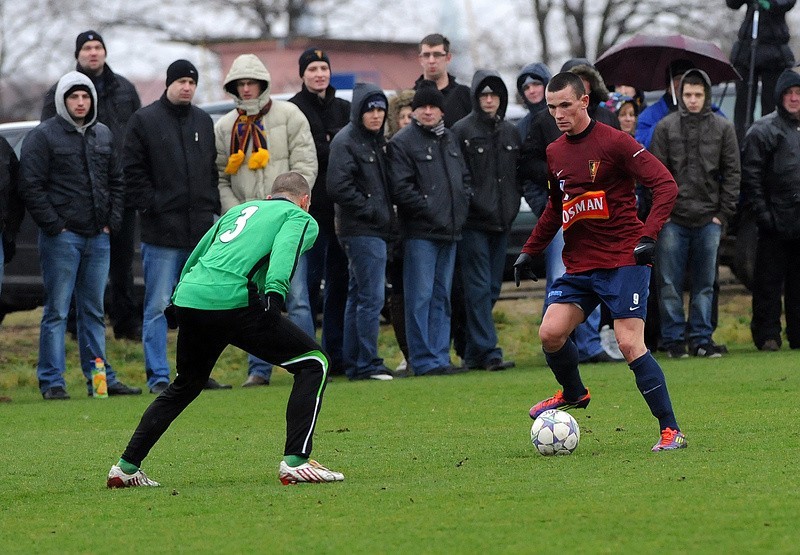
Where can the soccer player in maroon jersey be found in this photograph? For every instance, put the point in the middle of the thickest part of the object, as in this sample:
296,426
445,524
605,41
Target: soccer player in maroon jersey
608,251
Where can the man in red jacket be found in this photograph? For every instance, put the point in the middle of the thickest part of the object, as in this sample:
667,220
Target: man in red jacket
592,171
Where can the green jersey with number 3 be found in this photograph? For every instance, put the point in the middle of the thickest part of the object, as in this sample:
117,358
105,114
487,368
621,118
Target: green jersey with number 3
257,241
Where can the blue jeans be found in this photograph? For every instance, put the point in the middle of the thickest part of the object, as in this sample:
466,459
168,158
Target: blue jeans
72,262
482,255
427,280
365,297
680,250
299,310
586,335
162,267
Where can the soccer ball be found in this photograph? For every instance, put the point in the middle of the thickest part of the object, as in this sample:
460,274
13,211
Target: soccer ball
555,432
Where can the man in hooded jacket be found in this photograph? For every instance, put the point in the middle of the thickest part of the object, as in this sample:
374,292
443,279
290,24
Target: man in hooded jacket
358,182
72,187
770,189
491,149
257,141
700,149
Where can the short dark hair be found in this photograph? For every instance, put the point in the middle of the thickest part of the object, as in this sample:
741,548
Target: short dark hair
435,39
291,183
693,79
561,81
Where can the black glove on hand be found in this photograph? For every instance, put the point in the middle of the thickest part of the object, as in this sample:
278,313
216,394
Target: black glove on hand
645,251
273,304
523,268
172,316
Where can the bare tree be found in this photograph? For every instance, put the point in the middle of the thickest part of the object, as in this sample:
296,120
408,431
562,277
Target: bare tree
591,28
35,41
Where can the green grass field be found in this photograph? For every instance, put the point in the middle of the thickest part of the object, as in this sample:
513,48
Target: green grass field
432,465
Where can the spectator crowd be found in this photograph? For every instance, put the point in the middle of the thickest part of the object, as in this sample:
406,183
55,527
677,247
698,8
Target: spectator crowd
414,193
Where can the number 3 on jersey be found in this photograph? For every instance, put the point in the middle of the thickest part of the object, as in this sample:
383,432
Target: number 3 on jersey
239,225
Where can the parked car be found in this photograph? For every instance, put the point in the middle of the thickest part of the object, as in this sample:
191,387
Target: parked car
22,282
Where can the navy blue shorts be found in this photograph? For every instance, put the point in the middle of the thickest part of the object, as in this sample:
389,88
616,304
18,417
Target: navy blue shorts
623,290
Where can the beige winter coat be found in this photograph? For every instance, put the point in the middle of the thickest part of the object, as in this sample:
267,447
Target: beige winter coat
289,140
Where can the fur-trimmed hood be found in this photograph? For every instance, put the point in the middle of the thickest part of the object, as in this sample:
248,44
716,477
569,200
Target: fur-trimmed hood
599,90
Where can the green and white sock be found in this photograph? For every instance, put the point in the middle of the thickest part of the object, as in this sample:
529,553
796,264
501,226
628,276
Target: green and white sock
127,467
294,460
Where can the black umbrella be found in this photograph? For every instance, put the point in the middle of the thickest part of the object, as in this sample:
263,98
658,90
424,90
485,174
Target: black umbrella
643,61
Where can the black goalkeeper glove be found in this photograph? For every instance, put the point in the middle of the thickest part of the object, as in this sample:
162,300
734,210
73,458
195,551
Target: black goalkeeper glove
523,268
273,304
172,316
645,251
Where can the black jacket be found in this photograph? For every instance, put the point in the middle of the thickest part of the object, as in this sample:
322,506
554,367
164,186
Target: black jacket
533,163
457,103
358,178
12,209
429,183
771,167
69,180
117,100
326,117
491,148
773,36
171,174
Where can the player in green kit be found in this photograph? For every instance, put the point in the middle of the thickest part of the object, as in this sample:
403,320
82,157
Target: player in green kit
231,292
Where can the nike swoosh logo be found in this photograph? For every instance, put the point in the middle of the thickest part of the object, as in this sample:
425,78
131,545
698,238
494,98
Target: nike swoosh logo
634,308
559,173
645,392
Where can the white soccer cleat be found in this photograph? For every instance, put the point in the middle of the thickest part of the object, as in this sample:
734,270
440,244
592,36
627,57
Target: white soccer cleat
118,479
310,472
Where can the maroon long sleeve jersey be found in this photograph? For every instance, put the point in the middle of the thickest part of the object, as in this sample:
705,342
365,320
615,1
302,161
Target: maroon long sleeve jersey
592,179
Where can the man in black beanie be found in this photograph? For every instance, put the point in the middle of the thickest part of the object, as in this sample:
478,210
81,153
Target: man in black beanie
326,115
171,178
117,100
429,181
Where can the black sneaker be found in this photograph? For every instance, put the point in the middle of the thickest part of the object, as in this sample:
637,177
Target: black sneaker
214,384
677,351
497,364
707,350
119,388
445,371
602,356
56,393
770,345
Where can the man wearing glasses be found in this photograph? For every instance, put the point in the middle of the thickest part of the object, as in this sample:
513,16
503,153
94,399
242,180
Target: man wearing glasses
434,55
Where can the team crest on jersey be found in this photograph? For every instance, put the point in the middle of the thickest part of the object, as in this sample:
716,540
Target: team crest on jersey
593,167
561,183
589,205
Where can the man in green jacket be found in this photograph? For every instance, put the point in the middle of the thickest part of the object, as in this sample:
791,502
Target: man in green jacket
231,292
